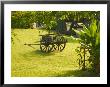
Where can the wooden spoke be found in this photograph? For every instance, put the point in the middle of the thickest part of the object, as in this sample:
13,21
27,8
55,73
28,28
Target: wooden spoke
46,47
55,47
61,47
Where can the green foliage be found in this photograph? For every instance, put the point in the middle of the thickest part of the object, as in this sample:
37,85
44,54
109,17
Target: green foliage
90,37
23,19
13,36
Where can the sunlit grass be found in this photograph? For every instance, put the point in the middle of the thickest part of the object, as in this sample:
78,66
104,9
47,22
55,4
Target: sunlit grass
31,62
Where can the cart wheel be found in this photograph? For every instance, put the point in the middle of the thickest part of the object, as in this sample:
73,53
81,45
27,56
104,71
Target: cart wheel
61,46
60,42
46,47
55,47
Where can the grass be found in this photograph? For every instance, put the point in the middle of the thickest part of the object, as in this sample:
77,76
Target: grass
31,62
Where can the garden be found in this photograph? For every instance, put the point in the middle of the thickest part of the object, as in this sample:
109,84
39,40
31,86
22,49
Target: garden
80,56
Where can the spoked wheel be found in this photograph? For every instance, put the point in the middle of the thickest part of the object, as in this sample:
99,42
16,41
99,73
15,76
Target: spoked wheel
60,43
55,47
46,47
61,46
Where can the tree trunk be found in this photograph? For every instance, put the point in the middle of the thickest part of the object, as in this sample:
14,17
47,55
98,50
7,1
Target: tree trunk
97,68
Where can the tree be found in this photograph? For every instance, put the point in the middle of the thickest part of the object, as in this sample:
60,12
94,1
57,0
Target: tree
22,19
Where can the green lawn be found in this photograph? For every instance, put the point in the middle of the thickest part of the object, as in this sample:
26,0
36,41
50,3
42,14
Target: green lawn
31,62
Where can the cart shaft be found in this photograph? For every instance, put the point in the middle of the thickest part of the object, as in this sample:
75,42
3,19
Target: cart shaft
31,44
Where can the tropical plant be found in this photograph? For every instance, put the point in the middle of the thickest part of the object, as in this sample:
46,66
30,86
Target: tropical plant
90,38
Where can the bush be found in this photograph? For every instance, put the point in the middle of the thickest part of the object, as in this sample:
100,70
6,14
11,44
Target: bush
90,37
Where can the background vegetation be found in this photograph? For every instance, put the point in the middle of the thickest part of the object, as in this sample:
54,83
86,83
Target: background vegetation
23,19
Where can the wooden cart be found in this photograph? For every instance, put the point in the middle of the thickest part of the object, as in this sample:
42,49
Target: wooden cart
51,42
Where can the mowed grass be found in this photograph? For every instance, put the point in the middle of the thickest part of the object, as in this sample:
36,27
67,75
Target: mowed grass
31,62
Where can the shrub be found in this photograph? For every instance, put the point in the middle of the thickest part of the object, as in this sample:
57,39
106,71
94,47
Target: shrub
90,37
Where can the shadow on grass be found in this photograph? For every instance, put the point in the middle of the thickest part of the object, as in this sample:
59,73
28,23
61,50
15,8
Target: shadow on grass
37,53
78,73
